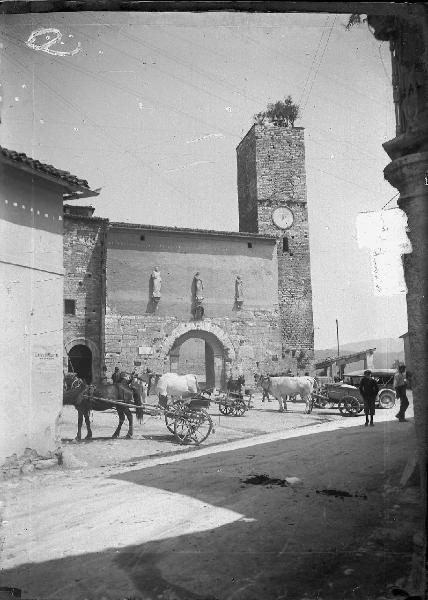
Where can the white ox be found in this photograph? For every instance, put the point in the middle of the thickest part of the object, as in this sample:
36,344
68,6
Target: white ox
281,387
174,385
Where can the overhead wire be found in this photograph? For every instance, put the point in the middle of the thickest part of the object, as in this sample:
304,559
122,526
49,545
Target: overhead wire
101,132
136,93
320,63
313,59
97,126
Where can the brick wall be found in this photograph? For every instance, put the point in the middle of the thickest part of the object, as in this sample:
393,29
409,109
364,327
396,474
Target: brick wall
84,282
274,157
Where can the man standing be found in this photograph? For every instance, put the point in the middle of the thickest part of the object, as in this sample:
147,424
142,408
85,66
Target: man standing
117,376
400,386
369,390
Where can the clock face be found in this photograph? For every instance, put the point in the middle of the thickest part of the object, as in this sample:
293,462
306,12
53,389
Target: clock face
282,217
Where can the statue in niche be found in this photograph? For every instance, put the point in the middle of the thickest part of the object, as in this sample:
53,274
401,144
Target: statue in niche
199,287
157,284
239,291
198,291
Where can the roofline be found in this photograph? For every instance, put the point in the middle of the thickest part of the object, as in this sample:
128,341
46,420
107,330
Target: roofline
78,191
166,229
84,218
330,361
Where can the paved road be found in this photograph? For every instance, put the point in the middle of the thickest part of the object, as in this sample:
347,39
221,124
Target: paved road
187,527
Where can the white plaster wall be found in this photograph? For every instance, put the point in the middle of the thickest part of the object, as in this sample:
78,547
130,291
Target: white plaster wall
31,305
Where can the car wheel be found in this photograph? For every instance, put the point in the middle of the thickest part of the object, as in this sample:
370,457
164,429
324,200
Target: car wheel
387,399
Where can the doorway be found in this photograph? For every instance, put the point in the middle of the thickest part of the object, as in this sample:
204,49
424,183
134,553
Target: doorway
202,354
80,362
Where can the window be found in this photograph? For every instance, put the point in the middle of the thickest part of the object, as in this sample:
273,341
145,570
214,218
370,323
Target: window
285,247
142,238
250,244
70,307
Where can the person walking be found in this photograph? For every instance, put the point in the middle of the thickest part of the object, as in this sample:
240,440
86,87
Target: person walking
369,390
400,386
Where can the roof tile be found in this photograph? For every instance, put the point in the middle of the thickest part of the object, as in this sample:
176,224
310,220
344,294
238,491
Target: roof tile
65,176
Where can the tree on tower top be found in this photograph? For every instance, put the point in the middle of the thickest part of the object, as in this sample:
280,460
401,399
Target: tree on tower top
283,113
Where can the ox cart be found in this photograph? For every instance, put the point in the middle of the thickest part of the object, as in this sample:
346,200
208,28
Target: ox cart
348,404
187,420
231,404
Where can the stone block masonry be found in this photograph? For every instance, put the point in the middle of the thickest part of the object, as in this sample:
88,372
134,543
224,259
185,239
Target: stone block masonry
245,341
84,284
271,174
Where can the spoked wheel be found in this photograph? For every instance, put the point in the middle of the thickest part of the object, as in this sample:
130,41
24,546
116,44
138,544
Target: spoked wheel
171,415
226,407
387,399
192,426
351,406
239,408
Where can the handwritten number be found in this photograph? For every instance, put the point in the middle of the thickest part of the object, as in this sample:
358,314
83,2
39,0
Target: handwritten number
50,41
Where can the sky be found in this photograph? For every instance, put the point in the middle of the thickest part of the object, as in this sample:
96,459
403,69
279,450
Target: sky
151,107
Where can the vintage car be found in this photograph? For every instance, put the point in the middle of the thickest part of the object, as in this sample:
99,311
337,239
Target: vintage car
348,387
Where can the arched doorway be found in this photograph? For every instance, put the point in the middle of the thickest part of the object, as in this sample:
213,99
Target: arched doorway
80,362
199,352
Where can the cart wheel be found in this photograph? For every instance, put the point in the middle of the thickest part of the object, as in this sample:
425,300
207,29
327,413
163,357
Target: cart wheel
342,408
171,415
239,408
351,405
387,399
192,426
225,407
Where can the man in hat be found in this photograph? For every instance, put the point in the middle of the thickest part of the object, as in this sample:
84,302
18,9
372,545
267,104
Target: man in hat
116,376
369,390
400,386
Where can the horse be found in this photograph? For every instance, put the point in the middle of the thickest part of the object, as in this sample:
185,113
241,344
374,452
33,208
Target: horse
85,398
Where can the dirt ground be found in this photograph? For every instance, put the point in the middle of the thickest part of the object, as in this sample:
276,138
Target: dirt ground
152,438
185,525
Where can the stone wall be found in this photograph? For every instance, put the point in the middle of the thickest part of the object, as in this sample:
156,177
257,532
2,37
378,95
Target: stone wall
84,282
274,157
251,338
247,183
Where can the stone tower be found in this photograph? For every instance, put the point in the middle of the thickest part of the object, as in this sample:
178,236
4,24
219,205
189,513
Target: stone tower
272,200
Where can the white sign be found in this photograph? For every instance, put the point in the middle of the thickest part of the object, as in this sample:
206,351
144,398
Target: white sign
145,350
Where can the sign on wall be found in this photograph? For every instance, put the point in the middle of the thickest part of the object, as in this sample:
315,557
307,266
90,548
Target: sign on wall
145,350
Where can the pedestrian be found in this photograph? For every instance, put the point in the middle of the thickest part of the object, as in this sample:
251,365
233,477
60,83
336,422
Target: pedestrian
116,377
400,386
369,390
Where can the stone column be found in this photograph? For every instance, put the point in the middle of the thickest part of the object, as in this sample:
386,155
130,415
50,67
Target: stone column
408,172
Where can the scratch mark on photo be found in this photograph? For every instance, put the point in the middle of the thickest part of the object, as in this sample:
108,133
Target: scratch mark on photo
206,137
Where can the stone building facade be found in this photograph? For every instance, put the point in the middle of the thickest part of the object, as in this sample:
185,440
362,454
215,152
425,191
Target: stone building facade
256,311
139,330
84,290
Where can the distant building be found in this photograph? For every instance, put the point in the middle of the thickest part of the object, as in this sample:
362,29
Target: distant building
31,299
